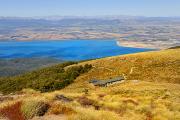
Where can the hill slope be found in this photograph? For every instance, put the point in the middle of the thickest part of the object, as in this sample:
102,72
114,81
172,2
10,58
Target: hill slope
44,80
157,66
151,90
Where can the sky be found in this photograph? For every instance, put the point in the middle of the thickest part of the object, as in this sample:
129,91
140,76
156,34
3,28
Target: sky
31,8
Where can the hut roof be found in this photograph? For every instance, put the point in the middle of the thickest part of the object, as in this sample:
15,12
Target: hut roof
104,82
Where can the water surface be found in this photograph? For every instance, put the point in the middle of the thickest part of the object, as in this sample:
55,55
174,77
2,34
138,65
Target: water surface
64,49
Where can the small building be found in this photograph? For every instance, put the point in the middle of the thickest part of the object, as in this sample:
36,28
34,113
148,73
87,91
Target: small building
105,83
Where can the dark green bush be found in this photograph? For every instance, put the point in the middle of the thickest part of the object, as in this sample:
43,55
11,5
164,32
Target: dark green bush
44,80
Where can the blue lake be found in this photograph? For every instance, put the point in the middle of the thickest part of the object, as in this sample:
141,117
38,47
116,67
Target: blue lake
64,49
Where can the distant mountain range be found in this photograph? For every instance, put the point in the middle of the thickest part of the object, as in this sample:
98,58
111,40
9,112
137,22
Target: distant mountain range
110,17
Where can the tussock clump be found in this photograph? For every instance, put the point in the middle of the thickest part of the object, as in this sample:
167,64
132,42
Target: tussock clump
85,101
31,108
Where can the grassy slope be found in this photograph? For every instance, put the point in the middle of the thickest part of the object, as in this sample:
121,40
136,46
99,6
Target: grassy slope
157,66
155,96
157,92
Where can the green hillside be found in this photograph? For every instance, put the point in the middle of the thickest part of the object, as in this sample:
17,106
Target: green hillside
44,80
12,67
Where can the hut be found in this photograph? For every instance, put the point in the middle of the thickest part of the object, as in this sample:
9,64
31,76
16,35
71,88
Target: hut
105,83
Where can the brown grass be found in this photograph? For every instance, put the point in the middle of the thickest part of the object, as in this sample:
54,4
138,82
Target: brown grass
83,100
13,112
60,108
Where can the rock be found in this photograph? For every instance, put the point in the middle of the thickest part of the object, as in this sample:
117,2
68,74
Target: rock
63,98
